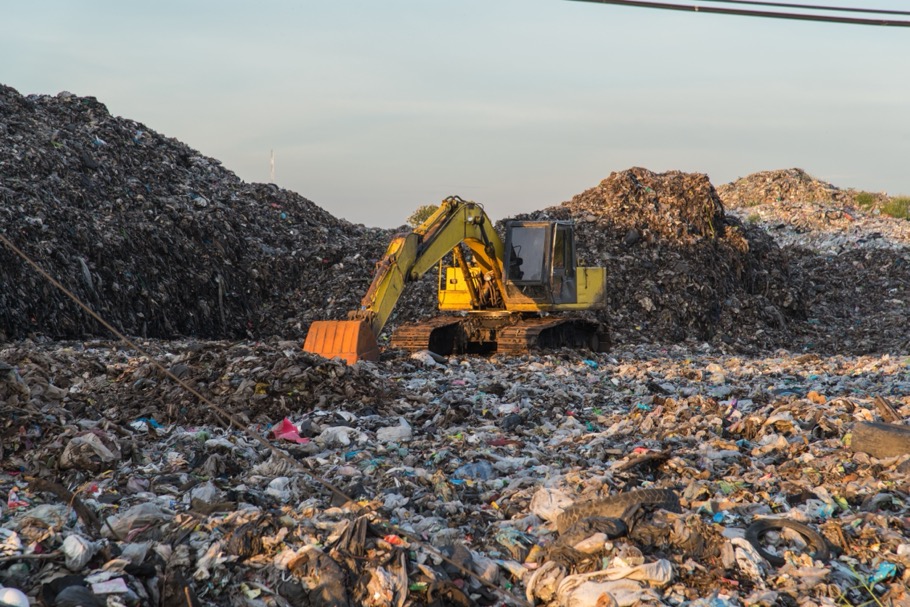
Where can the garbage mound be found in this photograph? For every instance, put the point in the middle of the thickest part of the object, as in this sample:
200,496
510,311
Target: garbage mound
657,476
678,266
857,300
852,260
159,239
789,185
820,217
681,208
163,242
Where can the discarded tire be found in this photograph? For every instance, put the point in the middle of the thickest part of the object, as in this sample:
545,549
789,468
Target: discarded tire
881,440
816,543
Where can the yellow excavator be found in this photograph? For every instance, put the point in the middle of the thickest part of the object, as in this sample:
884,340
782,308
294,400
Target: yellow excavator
496,296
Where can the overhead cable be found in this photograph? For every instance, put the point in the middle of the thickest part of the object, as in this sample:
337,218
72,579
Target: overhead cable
754,13
815,7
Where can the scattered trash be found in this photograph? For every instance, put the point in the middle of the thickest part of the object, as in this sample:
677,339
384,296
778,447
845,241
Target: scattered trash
13,597
881,440
883,572
212,502
288,431
395,434
814,541
79,551
481,470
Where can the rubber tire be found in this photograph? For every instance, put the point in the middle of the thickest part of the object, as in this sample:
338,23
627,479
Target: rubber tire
615,505
880,440
815,541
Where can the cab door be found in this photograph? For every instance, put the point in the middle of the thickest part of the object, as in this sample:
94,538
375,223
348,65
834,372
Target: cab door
563,282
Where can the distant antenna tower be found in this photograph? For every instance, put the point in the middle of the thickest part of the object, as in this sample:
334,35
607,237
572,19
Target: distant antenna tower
272,168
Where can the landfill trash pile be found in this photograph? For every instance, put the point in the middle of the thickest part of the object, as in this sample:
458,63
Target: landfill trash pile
799,210
646,476
159,239
679,267
852,261
789,185
822,276
858,301
164,242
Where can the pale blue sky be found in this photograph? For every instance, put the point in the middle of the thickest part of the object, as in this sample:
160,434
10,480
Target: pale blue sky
374,107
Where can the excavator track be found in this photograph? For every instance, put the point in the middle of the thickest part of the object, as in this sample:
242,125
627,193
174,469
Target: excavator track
506,334
443,335
548,333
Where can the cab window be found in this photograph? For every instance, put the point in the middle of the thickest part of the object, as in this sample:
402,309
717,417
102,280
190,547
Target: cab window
527,254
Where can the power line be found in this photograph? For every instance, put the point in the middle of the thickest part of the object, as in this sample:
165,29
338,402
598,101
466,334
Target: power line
754,13
815,7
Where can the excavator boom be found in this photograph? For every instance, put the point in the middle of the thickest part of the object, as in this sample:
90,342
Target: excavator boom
407,258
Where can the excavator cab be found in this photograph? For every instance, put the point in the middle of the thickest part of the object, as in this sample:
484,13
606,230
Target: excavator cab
540,260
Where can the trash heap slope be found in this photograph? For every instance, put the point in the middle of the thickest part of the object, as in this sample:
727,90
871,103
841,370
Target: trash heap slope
777,185
852,258
800,210
159,239
678,266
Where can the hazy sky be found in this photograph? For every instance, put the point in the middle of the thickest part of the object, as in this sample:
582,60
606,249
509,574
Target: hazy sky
374,107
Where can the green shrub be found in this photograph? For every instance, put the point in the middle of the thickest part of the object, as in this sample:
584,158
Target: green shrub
753,218
897,207
422,214
865,200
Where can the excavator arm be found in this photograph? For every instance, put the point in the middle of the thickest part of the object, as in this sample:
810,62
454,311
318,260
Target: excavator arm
408,257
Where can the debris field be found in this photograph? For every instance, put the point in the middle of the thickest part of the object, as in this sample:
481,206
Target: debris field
744,441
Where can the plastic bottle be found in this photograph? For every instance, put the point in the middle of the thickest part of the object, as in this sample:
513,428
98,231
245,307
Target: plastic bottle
478,471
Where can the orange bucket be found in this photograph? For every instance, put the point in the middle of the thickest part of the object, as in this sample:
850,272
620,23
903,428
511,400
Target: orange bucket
349,340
